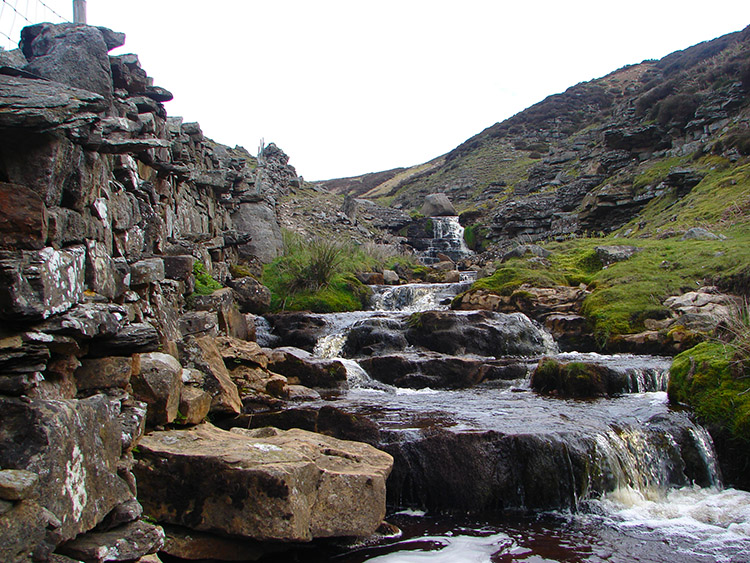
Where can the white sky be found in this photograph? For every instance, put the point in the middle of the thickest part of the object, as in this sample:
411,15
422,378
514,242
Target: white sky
347,87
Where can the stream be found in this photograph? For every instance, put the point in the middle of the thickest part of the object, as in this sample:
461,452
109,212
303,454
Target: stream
495,472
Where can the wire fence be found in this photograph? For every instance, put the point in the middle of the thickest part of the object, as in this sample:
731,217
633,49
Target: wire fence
17,14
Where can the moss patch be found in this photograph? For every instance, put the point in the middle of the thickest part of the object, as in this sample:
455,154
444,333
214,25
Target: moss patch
204,283
515,273
715,383
625,294
573,379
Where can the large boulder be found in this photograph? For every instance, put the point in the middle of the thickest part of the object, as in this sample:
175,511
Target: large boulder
298,329
615,253
437,205
376,335
265,484
440,371
477,332
306,369
259,220
590,377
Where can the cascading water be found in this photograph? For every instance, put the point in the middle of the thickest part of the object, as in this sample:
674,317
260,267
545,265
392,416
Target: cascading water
415,297
616,462
448,239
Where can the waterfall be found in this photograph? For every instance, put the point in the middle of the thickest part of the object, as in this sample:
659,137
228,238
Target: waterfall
448,239
413,297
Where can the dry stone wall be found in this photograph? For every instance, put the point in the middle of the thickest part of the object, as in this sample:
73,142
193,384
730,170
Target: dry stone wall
106,205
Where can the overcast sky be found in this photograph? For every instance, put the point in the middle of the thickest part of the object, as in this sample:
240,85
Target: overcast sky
353,86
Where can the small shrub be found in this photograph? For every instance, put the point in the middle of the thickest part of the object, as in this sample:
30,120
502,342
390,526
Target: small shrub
318,275
677,109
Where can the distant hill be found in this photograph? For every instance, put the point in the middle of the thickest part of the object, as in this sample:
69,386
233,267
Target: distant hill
592,157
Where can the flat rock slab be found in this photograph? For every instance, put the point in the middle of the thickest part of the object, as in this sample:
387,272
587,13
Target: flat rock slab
126,543
264,484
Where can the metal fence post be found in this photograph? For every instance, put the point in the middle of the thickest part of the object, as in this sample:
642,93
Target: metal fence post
79,11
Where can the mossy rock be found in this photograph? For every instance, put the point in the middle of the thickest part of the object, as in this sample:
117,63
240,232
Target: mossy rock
573,379
715,384
712,380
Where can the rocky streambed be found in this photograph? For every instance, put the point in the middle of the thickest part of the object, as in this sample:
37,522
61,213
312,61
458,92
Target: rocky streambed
449,395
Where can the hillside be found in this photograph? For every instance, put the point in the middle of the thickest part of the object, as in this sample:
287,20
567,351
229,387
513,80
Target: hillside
590,158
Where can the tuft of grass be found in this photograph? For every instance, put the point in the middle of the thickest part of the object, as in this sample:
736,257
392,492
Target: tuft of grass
318,275
205,284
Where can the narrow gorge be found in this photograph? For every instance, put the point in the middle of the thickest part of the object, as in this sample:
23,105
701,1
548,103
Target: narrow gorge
203,357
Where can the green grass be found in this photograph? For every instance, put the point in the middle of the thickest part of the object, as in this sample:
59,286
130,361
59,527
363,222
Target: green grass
511,275
343,293
657,172
625,294
719,201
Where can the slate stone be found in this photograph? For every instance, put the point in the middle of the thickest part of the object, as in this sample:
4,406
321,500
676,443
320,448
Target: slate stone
23,218
126,543
178,267
87,320
101,275
28,532
17,484
147,271
55,439
71,54
44,106
131,339
35,284
203,355
251,295
195,405
104,373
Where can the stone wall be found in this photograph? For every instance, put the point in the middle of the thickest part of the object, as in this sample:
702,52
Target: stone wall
106,204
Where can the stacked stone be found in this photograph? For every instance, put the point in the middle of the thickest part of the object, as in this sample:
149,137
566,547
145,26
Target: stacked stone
106,205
